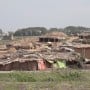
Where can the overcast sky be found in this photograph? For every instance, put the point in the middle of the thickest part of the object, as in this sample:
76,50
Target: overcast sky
15,14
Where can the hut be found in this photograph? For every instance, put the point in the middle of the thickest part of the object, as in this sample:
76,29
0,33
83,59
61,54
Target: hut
83,49
63,59
84,35
53,37
28,64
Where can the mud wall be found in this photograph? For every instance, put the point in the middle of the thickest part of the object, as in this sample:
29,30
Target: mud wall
28,66
85,52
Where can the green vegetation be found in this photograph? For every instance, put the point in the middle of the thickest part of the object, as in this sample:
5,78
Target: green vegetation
37,31
41,76
42,80
32,31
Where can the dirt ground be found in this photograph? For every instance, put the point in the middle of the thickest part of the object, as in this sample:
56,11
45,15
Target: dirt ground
45,86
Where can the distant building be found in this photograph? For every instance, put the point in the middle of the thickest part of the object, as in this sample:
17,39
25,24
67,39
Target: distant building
1,34
53,37
8,37
84,35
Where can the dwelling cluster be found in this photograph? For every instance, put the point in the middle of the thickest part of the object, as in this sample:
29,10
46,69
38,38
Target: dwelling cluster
51,51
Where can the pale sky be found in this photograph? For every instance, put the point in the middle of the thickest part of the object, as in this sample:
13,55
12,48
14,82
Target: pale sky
15,14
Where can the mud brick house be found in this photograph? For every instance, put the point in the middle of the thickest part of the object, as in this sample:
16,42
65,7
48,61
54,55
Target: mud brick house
83,49
24,64
85,37
63,59
53,37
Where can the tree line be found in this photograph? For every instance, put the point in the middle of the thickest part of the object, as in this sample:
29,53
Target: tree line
37,31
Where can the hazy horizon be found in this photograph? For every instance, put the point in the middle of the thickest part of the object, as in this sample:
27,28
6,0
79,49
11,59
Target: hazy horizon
15,14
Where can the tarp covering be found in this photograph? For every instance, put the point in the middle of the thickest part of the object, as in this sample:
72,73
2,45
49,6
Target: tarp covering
59,64
41,65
